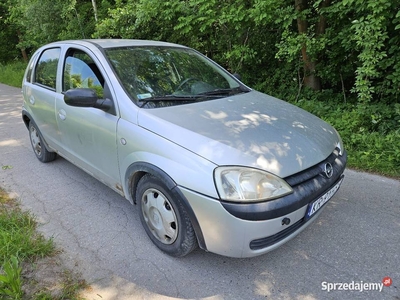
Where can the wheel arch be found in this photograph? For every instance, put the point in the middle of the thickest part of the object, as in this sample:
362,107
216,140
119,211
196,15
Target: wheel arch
27,118
138,169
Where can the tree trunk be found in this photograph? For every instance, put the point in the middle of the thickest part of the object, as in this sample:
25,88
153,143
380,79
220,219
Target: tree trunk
23,50
321,25
94,9
24,55
310,79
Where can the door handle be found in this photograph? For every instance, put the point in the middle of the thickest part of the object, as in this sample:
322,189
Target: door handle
62,114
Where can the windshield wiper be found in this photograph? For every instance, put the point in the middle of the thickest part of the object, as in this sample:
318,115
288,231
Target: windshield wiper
223,92
168,98
217,93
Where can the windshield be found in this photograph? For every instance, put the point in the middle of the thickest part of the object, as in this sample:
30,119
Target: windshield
165,76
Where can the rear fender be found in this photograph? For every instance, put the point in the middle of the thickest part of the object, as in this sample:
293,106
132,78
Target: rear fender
27,118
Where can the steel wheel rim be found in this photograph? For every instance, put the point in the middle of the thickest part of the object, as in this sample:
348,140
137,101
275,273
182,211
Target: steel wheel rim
35,140
159,215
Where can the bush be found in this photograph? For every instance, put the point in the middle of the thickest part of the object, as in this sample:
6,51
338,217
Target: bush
371,133
12,73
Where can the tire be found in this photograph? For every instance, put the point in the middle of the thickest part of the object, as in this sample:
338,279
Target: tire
164,217
38,146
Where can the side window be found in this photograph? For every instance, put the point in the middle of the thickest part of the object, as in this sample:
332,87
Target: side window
46,68
28,76
80,71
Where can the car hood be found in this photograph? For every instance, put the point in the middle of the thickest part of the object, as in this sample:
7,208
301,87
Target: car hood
250,129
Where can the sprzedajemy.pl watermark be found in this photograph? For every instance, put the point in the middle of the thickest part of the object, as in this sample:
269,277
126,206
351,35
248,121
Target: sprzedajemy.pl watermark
359,286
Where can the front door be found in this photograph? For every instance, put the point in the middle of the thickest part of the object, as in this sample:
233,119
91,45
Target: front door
88,134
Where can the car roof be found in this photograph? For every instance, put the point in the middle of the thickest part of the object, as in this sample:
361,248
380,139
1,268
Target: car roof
116,43
111,43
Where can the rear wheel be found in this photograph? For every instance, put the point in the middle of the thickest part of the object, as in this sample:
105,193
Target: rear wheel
38,146
164,217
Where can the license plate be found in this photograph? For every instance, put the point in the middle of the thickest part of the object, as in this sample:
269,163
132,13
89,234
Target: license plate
317,204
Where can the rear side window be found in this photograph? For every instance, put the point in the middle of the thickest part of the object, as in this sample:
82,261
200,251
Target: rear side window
30,68
46,68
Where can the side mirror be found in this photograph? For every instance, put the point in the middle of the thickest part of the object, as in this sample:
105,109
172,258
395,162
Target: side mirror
84,97
80,97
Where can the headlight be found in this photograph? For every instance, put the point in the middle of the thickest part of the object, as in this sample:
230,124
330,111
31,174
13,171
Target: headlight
242,184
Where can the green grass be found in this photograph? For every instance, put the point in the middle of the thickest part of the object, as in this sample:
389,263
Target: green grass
12,73
18,236
21,247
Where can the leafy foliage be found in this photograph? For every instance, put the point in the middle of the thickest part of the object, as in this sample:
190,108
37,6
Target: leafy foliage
37,22
8,50
350,47
371,133
12,73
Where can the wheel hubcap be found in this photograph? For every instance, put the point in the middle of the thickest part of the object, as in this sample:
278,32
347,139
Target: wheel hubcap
159,216
35,140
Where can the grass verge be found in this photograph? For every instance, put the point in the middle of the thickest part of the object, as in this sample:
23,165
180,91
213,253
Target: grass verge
30,265
12,73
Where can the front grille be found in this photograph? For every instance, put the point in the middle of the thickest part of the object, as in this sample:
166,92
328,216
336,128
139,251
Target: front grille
273,239
313,171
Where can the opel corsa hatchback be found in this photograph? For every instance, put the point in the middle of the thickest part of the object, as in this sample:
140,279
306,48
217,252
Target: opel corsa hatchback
208,161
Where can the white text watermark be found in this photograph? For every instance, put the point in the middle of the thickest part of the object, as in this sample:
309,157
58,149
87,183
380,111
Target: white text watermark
358,286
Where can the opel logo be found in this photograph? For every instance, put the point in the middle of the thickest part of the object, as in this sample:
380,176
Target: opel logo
328,170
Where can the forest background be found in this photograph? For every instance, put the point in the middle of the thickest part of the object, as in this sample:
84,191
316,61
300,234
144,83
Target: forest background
337,59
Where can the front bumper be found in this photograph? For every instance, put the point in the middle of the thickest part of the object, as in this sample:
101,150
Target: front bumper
246,230
228,235
307,186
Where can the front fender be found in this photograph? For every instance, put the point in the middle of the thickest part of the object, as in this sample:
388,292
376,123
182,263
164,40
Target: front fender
185,168
138,169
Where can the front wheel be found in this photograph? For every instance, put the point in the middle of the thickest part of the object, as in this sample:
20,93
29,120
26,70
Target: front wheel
164,217
38,146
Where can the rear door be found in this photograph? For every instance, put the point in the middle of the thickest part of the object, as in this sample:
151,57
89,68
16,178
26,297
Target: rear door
40,94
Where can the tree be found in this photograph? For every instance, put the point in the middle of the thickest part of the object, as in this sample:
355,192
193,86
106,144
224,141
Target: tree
8,36
37,22
311,79
343,46
221,30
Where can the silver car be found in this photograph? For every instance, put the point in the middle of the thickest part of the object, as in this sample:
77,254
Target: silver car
208,161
